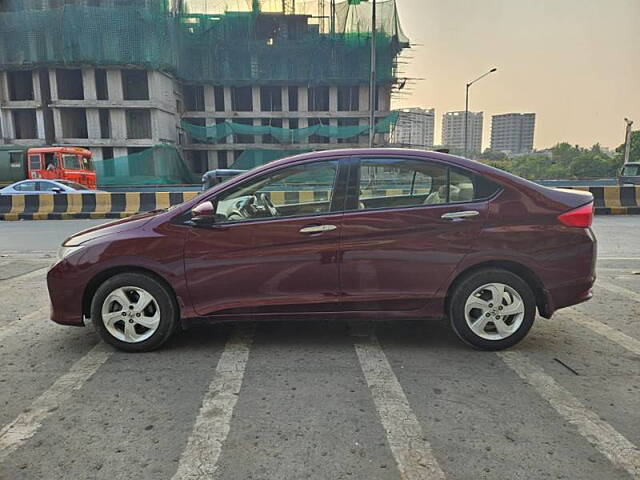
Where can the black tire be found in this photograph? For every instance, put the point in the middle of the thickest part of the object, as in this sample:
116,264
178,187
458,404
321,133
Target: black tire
476,280
164,298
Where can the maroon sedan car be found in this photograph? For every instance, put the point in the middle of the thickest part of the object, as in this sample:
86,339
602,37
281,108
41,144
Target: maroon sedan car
344,234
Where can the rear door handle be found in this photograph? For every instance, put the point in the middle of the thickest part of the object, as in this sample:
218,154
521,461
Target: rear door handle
464,214
318,229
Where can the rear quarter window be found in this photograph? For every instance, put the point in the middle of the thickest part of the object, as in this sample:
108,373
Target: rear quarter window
466,186
484,188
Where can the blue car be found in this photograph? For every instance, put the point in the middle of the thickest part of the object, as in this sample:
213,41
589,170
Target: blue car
33,186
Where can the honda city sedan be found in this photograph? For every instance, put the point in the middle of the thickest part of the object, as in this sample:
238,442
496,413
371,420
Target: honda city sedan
341,234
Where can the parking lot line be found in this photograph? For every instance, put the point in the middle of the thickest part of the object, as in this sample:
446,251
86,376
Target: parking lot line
625,292
199,459
27,423
411,450
605,330
27,275
620,451
18,325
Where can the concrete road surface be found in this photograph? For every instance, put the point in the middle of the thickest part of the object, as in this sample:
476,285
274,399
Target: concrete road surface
321,400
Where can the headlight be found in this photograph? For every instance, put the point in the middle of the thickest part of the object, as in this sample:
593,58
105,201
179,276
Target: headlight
64,252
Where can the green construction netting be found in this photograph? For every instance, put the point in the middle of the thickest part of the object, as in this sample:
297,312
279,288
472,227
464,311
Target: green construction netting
213,133
254,157
200,46
159,165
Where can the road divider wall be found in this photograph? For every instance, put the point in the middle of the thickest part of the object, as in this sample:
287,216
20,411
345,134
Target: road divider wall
86,205
608,200
614,200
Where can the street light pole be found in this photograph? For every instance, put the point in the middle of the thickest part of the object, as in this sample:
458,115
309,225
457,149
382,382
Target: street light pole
466,107
627,140
372,79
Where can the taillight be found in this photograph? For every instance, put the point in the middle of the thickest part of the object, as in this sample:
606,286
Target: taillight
580,217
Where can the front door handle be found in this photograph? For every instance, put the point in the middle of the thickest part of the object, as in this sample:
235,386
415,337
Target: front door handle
318,229
464,214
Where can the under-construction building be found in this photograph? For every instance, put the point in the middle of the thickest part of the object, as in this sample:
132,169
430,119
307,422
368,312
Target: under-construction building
137,81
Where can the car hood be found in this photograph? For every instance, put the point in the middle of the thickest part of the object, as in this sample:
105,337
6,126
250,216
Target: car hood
129,223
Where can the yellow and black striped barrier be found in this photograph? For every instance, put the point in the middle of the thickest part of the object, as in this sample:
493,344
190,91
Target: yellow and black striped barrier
608,200
86,205
614,200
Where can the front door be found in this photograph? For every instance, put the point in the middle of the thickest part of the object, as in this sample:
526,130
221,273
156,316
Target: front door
400,242
274,246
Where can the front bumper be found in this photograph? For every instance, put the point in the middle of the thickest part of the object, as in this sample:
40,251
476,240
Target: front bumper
66,288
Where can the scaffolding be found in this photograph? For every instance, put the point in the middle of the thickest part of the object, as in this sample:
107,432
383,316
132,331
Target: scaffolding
232,47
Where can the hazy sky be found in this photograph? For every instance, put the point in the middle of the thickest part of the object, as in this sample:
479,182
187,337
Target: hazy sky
575,63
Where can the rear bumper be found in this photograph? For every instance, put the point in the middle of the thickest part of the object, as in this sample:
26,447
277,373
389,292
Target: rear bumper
567,295
579,265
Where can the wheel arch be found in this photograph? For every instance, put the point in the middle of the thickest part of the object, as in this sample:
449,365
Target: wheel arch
528,275
102,276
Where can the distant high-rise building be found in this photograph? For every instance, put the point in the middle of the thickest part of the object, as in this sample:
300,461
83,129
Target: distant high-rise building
453,131
415,127
513,132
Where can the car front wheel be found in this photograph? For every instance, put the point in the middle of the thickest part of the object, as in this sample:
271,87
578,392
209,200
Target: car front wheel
134,312
492,309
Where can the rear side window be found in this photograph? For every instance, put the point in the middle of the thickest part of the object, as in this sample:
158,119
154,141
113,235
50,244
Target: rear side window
47,186
401,182
631,170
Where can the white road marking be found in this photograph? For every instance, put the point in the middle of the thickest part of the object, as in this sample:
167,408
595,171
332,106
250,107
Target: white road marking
27,275
199,459
618,258
625,292
25,425
412,452
620,451
25,323
600,328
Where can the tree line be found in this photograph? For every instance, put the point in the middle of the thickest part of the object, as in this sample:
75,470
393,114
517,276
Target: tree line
564,161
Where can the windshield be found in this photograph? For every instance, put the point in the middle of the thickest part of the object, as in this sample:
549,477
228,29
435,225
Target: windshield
71,161
74,185
87,164
631,170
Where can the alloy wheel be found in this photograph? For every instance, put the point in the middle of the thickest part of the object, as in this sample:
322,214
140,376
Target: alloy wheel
130,314
494,311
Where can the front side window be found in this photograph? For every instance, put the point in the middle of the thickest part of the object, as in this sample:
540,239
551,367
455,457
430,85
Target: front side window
71,161
296,191
631,170
399,182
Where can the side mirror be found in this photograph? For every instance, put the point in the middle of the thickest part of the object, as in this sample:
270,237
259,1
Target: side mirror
203,214
57,190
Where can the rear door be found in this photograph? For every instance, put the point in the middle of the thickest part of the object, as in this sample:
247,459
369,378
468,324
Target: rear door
407,224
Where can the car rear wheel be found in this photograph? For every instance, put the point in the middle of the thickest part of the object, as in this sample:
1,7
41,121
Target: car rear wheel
492,309
134,312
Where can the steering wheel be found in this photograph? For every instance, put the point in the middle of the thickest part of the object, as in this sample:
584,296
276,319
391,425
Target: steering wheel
248,206
265,201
